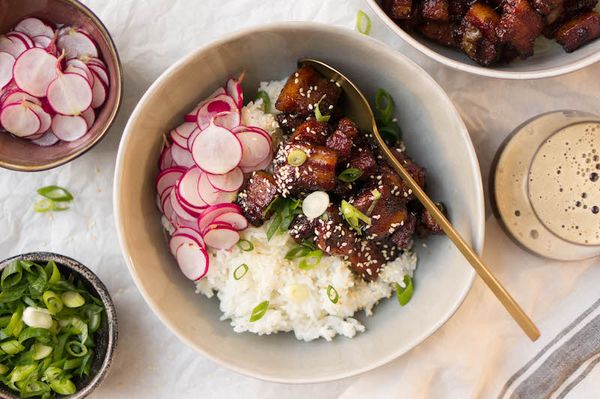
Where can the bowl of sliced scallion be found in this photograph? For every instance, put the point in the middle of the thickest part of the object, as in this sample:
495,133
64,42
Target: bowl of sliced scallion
58,327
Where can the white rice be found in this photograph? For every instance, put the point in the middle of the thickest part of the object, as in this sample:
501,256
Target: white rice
298,299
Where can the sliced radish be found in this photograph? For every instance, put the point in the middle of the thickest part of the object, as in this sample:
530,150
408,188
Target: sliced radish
166,159
34,27
100,73
69,128
188,188
45,118
178,238
256,148
217,225
181,133
212,212
182,156
216,150
76,43
19,96
193,260
77,63
69,94
191,231
34,70
43,42
261,166
168,178
179,209
234,219
211,195
46,140
211,108
22,37
7,62
228,120
90,117
234,89
221,237
20,119
99,93
12,45
230,181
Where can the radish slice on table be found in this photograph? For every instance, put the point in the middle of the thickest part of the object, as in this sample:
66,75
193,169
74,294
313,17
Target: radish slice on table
7,62
69,128
168,178
234,89
90,117
34,27
166,159
192,260
188,188
35,70
214,211
234,219
216,150
256,148
221,238
20,119
76,43
230,181
69,94
46,140
212,196
182,156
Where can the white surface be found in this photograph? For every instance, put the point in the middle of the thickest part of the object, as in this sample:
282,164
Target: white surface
151,35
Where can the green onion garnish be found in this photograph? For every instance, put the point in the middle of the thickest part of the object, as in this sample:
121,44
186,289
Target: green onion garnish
240,271
300,250
376,198
332,294
350,175
76,349
72,299
284,212
266,100
384,116
55,193
245,245
259,311
296,157
363,23
319,116
312,259
405,293
52,301
353,216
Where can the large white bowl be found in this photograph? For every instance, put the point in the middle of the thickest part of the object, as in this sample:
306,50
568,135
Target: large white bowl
434,133
549,59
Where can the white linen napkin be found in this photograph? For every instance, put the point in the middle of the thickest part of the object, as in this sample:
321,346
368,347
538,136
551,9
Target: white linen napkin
482,353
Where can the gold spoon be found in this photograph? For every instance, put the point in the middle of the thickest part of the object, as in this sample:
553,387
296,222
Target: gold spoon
358,108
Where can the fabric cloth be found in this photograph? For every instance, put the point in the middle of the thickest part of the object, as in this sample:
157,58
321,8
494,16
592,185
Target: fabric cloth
474,355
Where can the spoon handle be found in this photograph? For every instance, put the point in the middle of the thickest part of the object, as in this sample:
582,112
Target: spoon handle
486,275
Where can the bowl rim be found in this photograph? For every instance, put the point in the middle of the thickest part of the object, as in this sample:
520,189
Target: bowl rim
111,117
94,281
479,213
479,70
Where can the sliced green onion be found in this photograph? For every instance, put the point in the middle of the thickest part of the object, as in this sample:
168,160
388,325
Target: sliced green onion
312,259
319,116
259,311
20,373
296,157
376,198
350,175
299,251
53,272
363,23
405,293
332,294
76,348
11,347
51,373
3,369
41,351
52,301
353,216
240,271
55,193
384,106
266,100
245,245
11,275
72,299
47,205
64,386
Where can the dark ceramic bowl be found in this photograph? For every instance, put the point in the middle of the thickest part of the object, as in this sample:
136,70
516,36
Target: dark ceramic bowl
19,154
106,336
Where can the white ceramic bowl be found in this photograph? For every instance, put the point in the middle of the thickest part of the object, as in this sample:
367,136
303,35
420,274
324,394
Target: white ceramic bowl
435,135
549,59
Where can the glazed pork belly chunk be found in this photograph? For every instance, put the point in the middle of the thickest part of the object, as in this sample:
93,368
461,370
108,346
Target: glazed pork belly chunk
395,182
342,139
520,25
333,236
403,236
428,225
440,32
318,172
255,198
302,228
304,90
436,10
578,31
399,9
478,33
290,122
366,260
311,132
363,159
547,7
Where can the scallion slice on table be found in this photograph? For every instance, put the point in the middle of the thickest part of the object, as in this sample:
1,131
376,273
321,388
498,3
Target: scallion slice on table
363,22
240,271
259,311
404,294
266,100
56,198
350,175
332,294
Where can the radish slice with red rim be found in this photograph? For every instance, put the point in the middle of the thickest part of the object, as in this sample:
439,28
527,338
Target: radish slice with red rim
234,219
214,211
35,70
7,62
180,210
221,238
178,238
166,159
69,128
18,96
20,119
234,89
216,150
77,63
256,148
228,120
193,260
12,46
69,94
220,104
21,37
168,178
90,117
188,188
45,118
76,43
190,231
99,93
182,133
182,156
46,140
100,73
34,27
211,195
230,181
217,225
42,42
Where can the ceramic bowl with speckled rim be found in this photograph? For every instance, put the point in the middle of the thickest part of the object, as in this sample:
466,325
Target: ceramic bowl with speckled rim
19,154
106,336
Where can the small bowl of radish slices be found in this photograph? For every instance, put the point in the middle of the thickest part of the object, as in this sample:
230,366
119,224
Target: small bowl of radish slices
60,83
